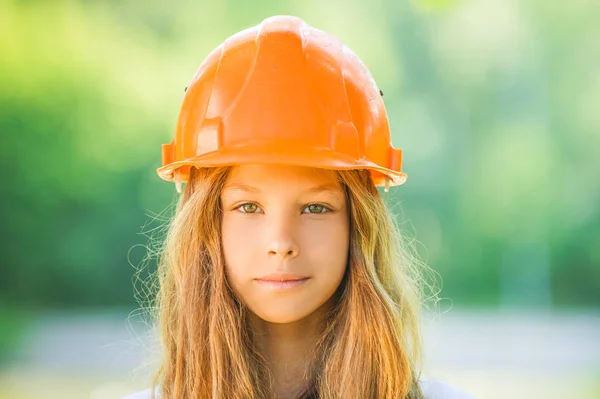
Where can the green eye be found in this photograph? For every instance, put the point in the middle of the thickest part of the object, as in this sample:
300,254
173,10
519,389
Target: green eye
316,208
249,208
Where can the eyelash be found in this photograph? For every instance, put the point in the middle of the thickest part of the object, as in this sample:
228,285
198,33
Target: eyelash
325,208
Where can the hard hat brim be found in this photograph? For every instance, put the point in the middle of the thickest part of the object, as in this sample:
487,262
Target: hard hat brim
274,153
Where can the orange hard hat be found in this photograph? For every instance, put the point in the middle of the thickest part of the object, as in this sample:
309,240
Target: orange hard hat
283,92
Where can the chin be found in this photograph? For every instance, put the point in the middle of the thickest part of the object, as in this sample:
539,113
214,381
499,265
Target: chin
284,316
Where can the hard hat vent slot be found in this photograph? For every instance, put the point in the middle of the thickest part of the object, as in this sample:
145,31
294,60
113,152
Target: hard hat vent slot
209,137
344,139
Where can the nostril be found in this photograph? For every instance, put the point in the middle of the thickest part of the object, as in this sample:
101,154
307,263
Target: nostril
287,251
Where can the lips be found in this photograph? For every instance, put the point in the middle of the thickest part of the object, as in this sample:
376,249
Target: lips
276,285
282,277
281,281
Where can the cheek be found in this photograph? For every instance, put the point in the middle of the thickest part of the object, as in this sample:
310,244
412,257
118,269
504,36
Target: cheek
240,245
325,247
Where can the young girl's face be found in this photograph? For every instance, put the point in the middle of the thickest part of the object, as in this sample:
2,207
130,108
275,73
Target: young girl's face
285,236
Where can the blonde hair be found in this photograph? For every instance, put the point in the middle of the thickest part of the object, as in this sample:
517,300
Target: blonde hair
207,343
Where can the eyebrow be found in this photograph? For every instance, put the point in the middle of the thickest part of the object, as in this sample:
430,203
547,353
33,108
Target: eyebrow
327,187
241,187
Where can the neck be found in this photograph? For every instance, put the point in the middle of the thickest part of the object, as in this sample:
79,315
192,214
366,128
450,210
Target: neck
288,350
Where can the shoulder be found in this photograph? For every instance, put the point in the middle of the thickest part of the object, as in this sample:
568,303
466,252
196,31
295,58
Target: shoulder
147,394
433,389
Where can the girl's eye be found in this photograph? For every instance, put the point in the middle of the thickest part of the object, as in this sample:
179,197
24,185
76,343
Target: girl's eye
316,208
312,208
249,208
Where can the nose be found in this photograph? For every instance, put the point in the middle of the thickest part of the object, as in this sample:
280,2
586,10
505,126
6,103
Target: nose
282,243
284,249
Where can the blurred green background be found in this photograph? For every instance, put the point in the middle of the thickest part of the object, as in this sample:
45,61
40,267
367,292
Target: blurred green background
496,104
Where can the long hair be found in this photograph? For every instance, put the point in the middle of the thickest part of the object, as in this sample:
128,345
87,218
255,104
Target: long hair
370,346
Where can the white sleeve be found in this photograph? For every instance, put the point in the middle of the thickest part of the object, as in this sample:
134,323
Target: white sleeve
433,389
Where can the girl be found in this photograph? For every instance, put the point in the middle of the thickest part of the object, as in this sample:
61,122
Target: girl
282,274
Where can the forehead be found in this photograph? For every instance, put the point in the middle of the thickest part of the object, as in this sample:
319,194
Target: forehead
285,177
